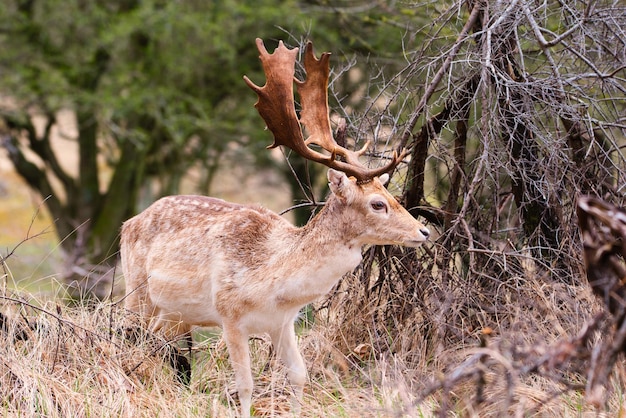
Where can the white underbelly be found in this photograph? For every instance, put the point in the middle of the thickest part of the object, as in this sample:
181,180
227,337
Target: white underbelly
183,298
268,320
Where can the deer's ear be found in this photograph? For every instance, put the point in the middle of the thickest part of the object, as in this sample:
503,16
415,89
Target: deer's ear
341,185
384,179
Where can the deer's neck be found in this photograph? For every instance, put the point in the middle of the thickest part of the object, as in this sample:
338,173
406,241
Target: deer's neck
319,254
335,227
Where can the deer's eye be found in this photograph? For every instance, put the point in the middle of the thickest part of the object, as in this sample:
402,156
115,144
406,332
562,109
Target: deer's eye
379,206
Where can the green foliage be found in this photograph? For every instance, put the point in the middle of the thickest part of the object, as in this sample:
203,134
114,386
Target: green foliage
155,73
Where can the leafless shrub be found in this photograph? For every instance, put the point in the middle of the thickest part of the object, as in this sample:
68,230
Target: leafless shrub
521,111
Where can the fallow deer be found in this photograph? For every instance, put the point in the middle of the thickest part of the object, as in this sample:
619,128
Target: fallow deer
200,261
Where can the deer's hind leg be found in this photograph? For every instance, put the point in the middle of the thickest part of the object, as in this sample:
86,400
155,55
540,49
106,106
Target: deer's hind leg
174,330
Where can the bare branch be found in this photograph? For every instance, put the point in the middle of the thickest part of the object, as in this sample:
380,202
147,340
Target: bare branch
408,130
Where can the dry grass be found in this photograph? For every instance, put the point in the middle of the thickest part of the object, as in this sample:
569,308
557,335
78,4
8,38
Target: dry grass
75,361
533,356
60,361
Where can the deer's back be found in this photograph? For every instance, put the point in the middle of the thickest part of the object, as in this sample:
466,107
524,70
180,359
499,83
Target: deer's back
189,250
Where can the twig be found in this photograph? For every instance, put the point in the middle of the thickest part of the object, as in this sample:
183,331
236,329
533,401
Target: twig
59,318
302,205
29,237
111,306
437,78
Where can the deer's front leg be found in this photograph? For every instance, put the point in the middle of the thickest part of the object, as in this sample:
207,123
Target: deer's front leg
239,351
285,344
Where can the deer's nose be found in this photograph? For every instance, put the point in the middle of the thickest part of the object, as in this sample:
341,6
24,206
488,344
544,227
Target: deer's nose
425,232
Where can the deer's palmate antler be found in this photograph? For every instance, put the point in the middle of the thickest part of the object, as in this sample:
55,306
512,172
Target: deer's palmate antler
276,106
200,261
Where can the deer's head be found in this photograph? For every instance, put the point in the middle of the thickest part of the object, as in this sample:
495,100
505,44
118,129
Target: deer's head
375,214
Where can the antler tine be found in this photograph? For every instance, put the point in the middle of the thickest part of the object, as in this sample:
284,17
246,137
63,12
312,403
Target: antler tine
275,101
314,100
276,106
